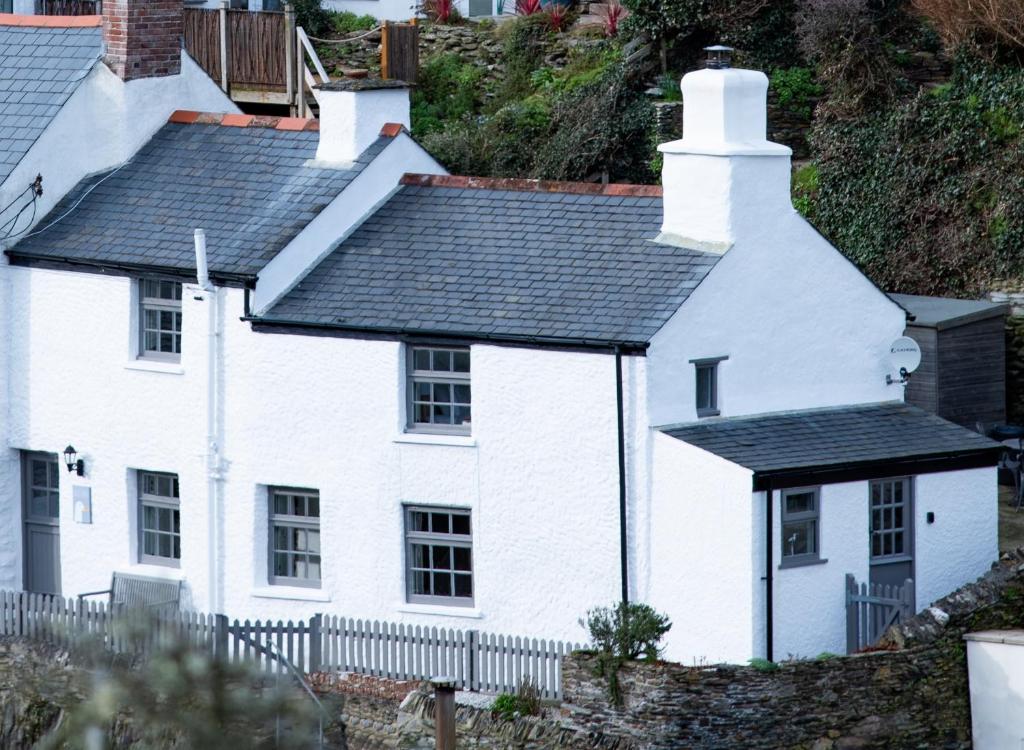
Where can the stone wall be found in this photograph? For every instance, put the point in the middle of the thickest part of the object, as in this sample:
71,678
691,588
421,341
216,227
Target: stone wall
912,694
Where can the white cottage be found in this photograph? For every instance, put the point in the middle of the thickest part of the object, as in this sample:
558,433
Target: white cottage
373,389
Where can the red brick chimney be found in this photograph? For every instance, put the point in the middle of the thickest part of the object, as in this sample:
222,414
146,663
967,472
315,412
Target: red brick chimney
142,37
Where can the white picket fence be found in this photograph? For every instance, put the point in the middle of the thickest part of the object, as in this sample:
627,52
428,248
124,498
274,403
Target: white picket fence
473,660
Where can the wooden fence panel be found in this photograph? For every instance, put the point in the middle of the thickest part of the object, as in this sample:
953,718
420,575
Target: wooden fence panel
400,52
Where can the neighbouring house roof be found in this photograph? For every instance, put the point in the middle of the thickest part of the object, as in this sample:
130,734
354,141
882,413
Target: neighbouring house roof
41,64
503,258
946,312
799,445
245,180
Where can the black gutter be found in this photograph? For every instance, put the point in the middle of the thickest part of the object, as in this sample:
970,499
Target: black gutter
271,325
769,549
623,550
876,469
60,263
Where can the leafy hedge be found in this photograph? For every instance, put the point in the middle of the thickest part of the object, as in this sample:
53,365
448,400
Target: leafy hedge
928,196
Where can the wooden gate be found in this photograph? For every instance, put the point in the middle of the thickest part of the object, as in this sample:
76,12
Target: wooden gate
400,52
871,609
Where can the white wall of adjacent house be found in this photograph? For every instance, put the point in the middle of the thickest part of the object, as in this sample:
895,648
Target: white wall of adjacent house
103,124
402,10
700,538
539,472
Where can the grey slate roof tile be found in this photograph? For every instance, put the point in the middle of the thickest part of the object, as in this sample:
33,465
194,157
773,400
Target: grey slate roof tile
189,177
40,67
478,260
829,437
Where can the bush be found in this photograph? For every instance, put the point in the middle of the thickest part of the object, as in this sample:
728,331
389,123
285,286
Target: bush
448,90
763,665
928,198
795,89
311,16
526,701
627,631
665,20
441,11
347,22
987,25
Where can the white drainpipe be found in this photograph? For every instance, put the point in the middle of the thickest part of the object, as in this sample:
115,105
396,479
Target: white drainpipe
213,458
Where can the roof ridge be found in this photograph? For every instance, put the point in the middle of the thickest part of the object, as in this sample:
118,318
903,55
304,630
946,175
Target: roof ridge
236,120
523,185
51,22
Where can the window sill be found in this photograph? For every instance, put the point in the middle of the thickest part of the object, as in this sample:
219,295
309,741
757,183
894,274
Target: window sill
153,571
297,593
469,613
801,563
432,438
152,365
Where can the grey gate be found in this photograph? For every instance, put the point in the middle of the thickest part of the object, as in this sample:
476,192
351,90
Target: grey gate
40,480
871,608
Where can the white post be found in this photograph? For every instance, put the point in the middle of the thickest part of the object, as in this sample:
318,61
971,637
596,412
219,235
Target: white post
224,45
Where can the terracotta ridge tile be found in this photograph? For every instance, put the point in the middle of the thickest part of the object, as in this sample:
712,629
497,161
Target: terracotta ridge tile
540,186
52,22
240,120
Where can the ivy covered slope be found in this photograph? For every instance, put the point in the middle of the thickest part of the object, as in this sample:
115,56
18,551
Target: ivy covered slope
927,196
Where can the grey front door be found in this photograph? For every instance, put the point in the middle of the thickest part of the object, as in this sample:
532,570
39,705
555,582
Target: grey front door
892,531
40,479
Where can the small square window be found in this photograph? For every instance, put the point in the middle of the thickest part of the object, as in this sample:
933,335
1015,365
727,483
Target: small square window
439,556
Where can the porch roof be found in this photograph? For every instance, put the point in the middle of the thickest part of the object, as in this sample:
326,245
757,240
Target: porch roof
845,443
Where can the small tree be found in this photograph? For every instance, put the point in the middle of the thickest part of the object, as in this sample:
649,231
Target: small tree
664,20
986,23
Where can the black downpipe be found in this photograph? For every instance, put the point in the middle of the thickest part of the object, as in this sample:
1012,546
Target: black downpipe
623,551
768,605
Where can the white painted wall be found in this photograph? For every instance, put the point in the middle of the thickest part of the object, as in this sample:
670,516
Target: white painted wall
963,542
700,541
540,471
995,665
801,326
810,601
103,123
375,184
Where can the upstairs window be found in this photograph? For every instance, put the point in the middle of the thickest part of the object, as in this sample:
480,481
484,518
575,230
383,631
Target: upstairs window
294,537
706,386
160,319
801,516
439,556
159,519
439,391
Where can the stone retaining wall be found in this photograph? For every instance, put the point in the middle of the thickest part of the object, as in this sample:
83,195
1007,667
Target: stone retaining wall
915,695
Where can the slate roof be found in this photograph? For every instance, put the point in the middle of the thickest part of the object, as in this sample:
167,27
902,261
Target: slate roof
836,436
247,185
946,312
40,67
541,264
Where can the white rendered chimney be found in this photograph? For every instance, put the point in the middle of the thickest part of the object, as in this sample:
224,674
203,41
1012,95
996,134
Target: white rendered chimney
352,113
724,178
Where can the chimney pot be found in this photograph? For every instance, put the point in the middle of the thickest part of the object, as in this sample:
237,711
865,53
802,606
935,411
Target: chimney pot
719,57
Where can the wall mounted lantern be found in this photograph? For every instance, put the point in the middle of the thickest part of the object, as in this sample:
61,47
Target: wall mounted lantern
74,463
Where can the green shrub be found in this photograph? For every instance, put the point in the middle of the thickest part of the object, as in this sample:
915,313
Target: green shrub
312,17
795,88
670,88
763,665
448,90
345,22
524,41
627,630
805,188
525,702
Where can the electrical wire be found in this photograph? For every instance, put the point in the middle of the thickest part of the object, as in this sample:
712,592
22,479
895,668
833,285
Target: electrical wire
77,203
31,219
17,198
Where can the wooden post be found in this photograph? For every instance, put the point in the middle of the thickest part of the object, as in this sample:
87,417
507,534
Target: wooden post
300,79
384,67
444,713
224,45
220,637
290,41
315,643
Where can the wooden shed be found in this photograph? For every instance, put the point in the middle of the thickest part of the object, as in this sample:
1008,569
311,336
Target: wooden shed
962,376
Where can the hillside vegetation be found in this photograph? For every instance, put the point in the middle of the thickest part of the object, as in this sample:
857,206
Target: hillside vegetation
918,177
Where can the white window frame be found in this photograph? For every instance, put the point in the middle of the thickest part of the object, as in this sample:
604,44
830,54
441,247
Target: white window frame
160,502
159,305
712,407
801,518
433,539
305,523
431,378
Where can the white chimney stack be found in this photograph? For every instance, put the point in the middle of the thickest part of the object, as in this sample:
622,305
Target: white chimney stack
724,178
352,113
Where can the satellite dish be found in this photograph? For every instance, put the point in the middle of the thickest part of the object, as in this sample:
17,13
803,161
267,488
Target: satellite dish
904,356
